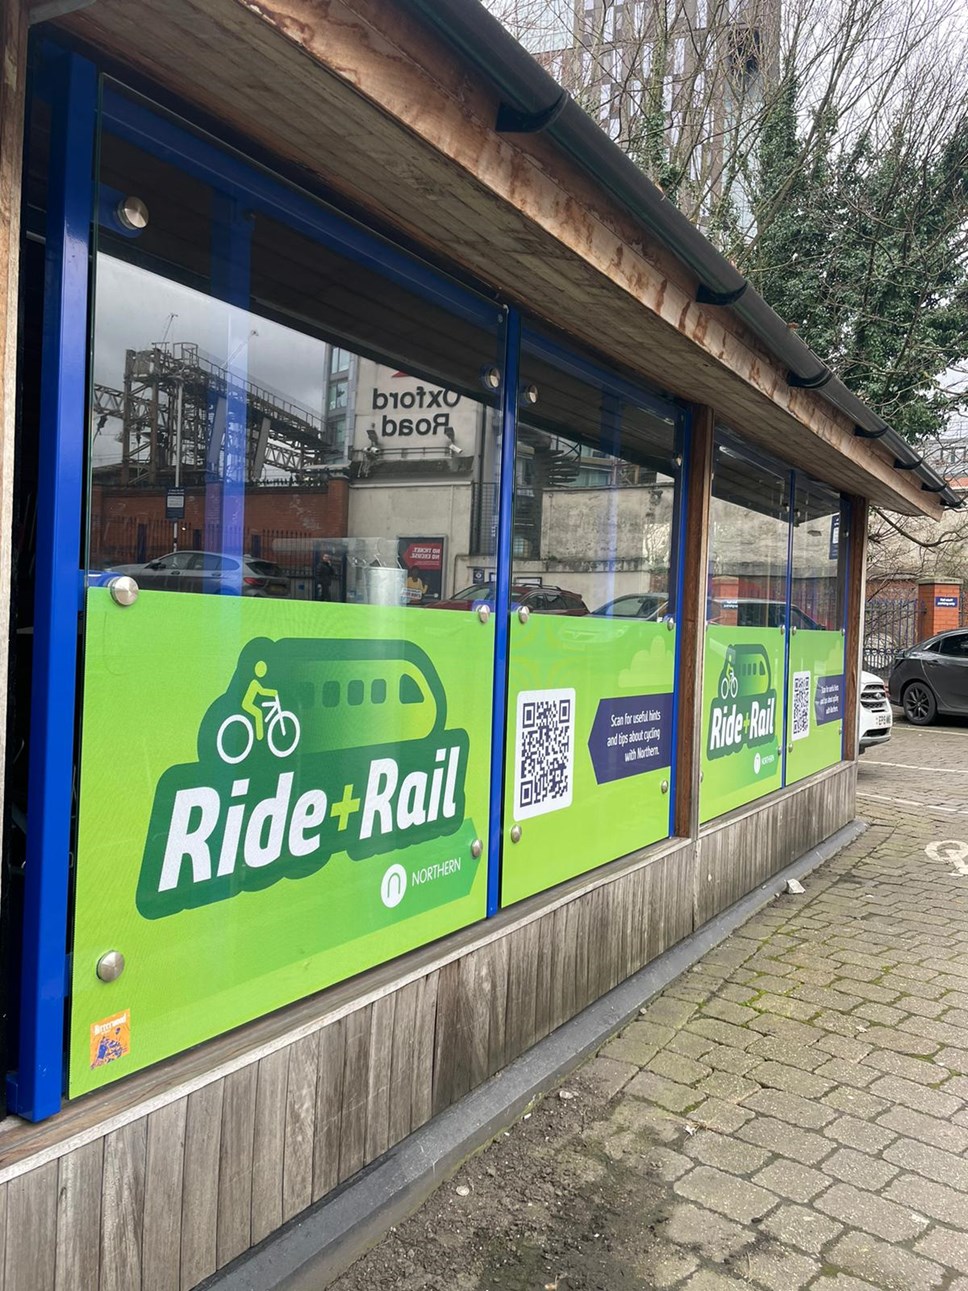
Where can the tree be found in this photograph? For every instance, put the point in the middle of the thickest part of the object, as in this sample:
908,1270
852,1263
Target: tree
824,149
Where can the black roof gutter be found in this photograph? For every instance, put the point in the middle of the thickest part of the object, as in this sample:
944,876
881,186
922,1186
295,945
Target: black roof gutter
533,101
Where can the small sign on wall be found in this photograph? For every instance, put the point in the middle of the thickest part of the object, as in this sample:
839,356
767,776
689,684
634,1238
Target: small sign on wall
946,602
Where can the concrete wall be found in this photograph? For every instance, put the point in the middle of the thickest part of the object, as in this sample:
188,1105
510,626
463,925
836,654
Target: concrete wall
392,511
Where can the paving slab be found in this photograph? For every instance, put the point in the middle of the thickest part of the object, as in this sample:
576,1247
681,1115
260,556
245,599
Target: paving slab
792,1116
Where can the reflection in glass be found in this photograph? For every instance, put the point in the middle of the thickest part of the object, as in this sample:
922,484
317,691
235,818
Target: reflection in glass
591,709
748,538
595,482
271,420
819,558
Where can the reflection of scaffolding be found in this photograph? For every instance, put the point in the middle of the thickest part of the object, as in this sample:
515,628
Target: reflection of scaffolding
174,408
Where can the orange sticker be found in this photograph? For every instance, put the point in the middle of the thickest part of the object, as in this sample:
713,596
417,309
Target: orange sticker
110,1039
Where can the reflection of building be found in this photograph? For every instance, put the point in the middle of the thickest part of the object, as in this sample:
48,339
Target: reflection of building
178,410
396,457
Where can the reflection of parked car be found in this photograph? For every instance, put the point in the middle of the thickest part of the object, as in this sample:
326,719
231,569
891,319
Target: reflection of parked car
874,717
641,605
932,677
539,600
208,571
756,612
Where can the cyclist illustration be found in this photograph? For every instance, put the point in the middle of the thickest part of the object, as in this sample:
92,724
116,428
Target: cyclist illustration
728,683
249,704
746,672
262,718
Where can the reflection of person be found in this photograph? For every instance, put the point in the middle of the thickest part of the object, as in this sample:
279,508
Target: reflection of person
325,577
249,704
416,587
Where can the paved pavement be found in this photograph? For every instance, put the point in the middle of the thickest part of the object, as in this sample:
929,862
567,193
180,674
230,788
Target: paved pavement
792,1113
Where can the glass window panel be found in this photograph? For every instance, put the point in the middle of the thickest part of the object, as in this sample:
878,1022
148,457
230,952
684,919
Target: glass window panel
818,587
287,403
956,646
818,581
280,669
744,657
590,702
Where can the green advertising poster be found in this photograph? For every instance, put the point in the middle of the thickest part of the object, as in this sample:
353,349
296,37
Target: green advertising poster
589,743
816,702
742,717
274,796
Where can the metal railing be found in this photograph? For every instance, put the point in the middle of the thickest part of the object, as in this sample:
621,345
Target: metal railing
889,625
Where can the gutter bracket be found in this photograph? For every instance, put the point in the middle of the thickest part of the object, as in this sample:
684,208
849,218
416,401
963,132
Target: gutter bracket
933,488
706,296
862,433
809,383
513,121
907,466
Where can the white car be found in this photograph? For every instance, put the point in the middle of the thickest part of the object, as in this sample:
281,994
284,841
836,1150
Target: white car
875,718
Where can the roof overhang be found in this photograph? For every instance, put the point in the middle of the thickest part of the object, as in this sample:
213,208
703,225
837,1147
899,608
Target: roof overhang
364,98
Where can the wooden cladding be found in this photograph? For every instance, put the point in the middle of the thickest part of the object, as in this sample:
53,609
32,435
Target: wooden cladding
162,1201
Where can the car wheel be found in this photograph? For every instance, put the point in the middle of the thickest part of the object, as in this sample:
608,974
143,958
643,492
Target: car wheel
919,703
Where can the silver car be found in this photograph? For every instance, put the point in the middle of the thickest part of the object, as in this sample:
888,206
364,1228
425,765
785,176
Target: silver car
208,571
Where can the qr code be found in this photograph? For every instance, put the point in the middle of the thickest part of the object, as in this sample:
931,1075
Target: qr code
801,705
544,752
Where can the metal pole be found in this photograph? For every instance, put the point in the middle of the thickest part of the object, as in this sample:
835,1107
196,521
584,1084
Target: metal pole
178,451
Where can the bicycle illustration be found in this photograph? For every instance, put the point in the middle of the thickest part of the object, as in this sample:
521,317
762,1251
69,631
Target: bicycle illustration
728,682
263,718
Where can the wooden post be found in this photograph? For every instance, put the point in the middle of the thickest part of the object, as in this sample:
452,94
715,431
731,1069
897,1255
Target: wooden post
856,593
691,618
13,62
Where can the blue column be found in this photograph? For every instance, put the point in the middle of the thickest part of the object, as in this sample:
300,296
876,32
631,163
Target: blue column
502,603
34,1090
676,576
787,634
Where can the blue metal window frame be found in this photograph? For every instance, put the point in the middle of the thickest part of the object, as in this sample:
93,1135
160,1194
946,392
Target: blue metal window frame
679,524
787,633
34,1090
502,606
